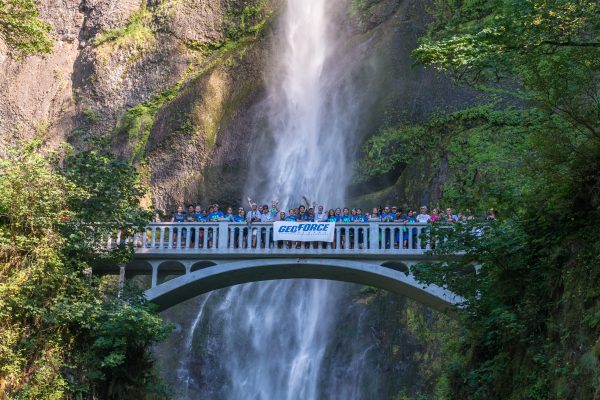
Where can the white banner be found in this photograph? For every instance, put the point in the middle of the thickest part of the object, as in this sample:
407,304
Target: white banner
304,231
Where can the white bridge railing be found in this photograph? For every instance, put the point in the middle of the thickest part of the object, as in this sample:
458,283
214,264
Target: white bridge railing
252,238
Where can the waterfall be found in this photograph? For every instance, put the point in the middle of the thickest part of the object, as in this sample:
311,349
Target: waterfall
310,148
273,335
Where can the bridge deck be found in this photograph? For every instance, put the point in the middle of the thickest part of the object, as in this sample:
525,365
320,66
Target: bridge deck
188,259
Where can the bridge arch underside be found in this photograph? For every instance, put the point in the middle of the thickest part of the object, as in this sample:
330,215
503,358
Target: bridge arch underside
396,280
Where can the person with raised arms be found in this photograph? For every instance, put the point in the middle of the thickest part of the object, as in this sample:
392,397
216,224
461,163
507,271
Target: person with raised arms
302,215
321,214
253,216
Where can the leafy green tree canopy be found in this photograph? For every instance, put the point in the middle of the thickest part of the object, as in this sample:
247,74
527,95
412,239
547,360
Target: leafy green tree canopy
63,333
550,48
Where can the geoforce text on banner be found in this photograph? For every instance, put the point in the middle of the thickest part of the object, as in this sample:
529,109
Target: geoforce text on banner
304,231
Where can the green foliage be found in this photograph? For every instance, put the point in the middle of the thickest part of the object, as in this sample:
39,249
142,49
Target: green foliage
112,191
243,22
247,20
136,33
137,121
63,334
532,310
479,145
552,48
362,9
22,30
92,116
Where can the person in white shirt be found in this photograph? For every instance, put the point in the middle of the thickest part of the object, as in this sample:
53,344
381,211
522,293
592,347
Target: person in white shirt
423,217
266,215
253,216
321,214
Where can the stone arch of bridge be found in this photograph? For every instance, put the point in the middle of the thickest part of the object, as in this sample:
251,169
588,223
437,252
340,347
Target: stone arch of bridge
396,279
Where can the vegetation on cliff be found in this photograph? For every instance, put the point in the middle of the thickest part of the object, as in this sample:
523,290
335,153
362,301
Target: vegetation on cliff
532,326
21,28
64,333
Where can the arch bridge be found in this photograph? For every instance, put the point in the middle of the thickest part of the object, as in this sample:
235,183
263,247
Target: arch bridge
188,259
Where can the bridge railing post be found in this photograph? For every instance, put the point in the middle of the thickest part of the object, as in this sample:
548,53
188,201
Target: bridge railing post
222,236
374,235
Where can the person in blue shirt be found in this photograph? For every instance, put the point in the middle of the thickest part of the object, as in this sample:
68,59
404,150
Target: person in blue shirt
229,217
291,217
359,217
345,218
338,214
215,215
241,216
387,215
302,215
179,216
197,214
331,217
399,218
202,216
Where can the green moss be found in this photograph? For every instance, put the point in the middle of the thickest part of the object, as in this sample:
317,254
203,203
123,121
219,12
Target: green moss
136,36
362,10
241,24
137,122
137,29
92,116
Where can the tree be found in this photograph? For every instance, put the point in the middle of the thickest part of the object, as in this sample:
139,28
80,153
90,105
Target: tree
532,322
64,334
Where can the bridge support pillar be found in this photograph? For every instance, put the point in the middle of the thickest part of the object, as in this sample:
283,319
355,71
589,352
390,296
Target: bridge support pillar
154,274
121,278
188,266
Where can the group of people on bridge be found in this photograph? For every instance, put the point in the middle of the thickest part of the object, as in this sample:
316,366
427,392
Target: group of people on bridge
311,212
314,213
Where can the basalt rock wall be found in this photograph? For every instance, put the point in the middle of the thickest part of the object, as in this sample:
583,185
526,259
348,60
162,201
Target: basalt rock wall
176,86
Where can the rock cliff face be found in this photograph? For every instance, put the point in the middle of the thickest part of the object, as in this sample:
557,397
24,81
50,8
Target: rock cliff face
176,85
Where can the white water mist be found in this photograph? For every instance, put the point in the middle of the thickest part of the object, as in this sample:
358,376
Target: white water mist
274,335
